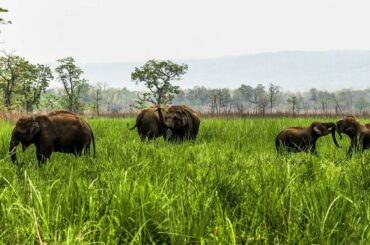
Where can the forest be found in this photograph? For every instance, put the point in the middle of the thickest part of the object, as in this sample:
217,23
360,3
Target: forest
26,87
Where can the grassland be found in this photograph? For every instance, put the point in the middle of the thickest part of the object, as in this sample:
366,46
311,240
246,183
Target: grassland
229,187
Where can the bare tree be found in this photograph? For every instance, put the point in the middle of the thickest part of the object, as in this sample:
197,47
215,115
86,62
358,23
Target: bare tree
259,98
274,90
293,101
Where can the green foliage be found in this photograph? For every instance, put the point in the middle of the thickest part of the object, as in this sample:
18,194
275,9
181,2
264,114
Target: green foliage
230,186
157,77
21,82
69,74
34,85
50,102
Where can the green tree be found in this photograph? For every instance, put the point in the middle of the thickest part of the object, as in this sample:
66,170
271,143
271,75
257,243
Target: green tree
13,69
36,80
69,74
259,98
198,96
157,77
294,102
49,101
273,93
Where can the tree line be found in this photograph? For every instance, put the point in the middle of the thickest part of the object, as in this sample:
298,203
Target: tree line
23,84
26,87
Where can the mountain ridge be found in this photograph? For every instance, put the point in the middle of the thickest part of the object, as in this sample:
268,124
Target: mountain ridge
291,70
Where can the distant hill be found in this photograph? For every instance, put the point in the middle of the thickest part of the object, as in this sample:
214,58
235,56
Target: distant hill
292,70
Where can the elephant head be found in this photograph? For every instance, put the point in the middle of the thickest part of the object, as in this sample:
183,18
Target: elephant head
24,132
176,119
173,118
322,129
349,125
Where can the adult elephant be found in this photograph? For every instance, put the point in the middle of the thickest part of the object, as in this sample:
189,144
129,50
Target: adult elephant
176,122
59,131
303,139
148,123
357,132
181,122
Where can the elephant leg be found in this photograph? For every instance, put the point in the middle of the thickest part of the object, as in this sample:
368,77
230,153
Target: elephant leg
151,135
78,152
353,147
43,153
86,149
314,151
142,137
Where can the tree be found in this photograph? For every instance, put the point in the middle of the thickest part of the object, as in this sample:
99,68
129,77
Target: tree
157,77
361,104
12,71
36,80
198,96
293,101
98,97
245,92
49,101
314,97
324,98
69,74
221,101
274,90
259,98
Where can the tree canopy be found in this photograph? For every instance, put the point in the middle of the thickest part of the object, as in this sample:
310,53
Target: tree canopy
69,74
157,76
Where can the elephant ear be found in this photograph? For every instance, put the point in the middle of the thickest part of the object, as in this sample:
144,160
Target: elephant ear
34,129
184,118
350,130
317,130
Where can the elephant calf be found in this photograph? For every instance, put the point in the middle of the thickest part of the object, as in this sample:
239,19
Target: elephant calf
59,131
298,139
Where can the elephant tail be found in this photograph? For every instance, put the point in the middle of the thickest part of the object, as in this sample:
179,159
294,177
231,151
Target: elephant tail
133,127
278,143
93,141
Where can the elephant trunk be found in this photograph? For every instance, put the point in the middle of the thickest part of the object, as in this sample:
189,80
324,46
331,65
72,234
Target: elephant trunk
161,119
340,134
168,135
13,148
334,138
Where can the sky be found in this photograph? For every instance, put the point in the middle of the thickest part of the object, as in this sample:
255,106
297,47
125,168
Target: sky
96,31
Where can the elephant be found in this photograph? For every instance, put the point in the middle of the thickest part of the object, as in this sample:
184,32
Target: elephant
59,131
303,139
176,122
357,132
181,122
148,123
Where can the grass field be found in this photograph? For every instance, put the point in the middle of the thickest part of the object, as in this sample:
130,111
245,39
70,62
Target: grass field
229,187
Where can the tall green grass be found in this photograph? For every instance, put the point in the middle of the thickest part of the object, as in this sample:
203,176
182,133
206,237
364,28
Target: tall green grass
228,187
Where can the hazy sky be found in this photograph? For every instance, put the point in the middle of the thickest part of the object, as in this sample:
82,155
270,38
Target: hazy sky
137,30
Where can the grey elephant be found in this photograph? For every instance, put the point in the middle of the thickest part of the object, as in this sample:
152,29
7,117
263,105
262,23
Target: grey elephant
181,123
357,132
148,123
174,123
59,131
298,139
